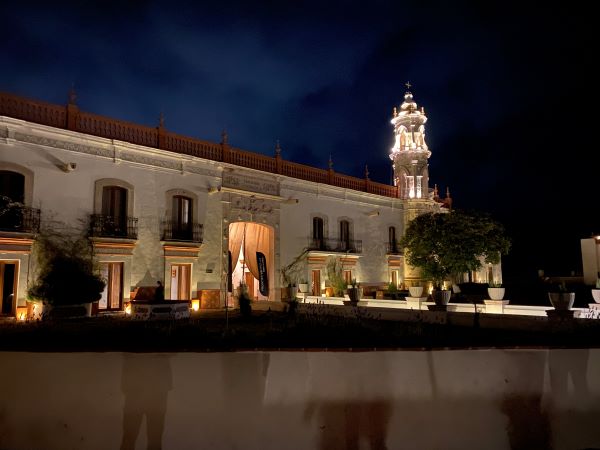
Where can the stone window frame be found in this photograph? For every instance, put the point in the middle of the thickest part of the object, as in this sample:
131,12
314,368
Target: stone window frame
325,224
99,186
182,193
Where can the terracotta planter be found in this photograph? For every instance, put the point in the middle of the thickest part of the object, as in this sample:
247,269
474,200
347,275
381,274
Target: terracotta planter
496,293
416,291
562,301
596,295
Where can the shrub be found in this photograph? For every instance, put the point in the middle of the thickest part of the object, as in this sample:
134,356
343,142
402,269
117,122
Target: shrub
66,273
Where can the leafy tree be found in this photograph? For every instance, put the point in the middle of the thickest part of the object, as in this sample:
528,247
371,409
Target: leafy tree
66,273
447,244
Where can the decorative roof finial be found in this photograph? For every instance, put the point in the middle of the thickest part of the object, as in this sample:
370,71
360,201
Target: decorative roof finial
330,163
447,192
161,120
366,172
436,193
72,95
224,136
408,86
277,149
395,113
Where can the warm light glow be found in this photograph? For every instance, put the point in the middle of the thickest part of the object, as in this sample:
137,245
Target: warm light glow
195,304
128,308
21,313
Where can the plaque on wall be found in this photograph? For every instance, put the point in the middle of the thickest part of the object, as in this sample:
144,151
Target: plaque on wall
250,184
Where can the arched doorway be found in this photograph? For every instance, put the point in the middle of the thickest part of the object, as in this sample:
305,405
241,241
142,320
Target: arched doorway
251,256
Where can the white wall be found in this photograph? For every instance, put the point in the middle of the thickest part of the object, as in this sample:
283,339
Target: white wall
494,399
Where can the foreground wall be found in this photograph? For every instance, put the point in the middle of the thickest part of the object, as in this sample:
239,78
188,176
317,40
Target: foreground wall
302,400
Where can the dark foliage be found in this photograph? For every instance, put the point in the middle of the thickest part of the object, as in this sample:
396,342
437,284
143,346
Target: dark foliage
66,272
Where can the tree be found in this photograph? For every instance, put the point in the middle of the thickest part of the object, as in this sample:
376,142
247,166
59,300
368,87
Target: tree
447,244
66,273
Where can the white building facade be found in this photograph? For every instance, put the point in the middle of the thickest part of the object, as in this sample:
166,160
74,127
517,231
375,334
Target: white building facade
197,215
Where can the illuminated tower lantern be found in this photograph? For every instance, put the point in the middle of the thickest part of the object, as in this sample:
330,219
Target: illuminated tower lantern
410,152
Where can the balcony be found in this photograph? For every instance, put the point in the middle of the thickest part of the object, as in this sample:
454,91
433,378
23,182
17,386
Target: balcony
174,231
394,249
334,245
20,219
113,227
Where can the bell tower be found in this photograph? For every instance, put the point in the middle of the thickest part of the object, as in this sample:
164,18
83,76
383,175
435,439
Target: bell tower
410,152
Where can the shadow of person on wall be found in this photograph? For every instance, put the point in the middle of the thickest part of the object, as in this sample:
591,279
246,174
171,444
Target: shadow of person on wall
244,379
146,381
528,423
561,364
348,404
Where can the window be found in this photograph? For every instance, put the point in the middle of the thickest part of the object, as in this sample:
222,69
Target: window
12,185
182,217
317,235
112,296
393,244
410,186
345,234
348,277
419,181
12,190
114,210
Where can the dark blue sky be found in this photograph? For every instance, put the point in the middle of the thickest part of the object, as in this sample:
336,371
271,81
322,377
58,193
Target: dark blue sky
507,88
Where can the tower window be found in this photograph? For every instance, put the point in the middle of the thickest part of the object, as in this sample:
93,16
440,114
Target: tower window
419,181
410,186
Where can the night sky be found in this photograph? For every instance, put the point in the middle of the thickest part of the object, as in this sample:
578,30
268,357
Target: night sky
508,92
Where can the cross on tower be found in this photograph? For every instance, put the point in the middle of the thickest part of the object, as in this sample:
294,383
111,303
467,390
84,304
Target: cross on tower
408,85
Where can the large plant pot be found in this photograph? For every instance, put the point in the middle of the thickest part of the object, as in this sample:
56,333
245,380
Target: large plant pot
562,301
354,294
416,291
496,293
68,311
596,295
441,298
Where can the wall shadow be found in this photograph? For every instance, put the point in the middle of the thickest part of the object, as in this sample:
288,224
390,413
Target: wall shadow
145,382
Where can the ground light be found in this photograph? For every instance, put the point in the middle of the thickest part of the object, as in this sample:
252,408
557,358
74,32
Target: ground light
22,313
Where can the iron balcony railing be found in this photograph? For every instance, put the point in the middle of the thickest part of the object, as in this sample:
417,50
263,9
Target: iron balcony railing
335,245
393,248
114,227
174,231
20,219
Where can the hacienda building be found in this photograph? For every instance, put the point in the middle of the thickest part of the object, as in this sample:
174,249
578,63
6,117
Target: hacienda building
200,216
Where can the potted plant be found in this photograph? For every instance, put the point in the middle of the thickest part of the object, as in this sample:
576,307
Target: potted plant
416,291
354,291
67,282
303,285
392,290
495,291
561,297
336,277
596,292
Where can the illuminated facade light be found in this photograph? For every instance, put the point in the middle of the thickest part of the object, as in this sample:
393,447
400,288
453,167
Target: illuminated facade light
195,304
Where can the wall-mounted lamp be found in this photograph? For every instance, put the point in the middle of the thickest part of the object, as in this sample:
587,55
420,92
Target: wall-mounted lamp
374,213
290,201
212,190
69,167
